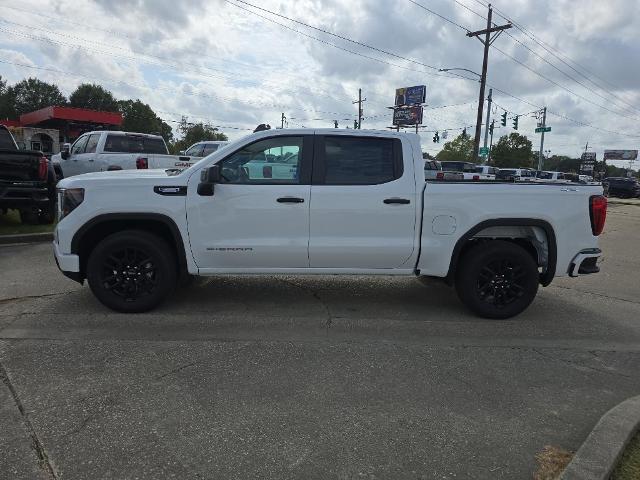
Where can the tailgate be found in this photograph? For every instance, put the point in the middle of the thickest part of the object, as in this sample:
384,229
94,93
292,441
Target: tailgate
19,165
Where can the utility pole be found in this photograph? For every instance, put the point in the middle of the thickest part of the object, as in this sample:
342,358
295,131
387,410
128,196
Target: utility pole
488,40
359,102
544,124
493,125
282,120
486,124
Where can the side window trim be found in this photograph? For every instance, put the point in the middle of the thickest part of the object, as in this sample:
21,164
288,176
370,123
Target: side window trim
305,162
320,161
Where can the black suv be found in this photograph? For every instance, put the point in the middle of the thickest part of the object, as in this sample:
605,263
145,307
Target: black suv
622,187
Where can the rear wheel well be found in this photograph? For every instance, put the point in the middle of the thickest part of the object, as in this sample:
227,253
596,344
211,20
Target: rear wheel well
85,240
537,238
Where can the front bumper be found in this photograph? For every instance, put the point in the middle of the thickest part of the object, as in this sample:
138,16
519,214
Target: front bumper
69,264
584,262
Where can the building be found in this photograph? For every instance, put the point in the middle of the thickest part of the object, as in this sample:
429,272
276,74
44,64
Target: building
51,126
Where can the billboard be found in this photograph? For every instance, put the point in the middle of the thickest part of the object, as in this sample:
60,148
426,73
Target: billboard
621,154
588,156
411,95
406,116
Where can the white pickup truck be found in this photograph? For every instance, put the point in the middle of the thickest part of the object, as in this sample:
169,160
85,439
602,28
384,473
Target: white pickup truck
107,151
356,203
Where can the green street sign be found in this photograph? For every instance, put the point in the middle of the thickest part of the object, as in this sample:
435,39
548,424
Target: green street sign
484,151
543,129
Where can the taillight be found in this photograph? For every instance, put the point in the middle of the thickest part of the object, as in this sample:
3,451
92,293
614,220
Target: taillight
597,213
440,176
266,171
476,177
43,168
142,163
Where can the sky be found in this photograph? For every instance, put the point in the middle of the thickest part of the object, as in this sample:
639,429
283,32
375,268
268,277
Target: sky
233,65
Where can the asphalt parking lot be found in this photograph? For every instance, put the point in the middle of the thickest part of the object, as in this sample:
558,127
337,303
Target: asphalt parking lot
323,377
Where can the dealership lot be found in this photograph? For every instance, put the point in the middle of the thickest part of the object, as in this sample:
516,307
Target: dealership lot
323,377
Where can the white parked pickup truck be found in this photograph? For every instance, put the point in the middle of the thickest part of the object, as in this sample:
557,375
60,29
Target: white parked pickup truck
107,151
356,203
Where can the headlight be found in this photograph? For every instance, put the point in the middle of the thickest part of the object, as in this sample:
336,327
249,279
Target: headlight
68,200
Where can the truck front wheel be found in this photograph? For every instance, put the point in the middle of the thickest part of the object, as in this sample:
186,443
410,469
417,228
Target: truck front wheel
497,279
131,271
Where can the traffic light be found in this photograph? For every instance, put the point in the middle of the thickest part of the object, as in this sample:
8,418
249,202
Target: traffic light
464,132
491,128
335,123
503,120
515,123
436,138
355,124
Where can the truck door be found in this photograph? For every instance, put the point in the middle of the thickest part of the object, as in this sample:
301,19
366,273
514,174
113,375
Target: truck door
255,220
363,211
71,165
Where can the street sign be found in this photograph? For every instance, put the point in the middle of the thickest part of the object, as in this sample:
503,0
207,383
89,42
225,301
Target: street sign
404,116
484,151
543,129
411,95
588,156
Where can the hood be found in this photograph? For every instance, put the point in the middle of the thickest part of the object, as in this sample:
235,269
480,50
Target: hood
115,176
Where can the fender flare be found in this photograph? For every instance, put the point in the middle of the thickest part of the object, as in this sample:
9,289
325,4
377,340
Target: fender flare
545,278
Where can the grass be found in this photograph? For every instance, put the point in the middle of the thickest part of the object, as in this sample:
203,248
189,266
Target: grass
10,225
551,463
629,466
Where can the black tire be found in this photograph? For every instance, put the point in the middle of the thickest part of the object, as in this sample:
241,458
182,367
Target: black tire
132,271
47,215
29,217
497,279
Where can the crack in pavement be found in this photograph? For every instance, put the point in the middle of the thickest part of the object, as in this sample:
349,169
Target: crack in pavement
578,364
43,458
611,297
315,295
26,297
175,370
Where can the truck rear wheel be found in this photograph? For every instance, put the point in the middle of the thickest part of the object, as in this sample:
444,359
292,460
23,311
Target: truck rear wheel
497,279
132,271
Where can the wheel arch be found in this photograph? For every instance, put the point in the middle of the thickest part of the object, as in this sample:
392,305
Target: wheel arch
512,232
90,234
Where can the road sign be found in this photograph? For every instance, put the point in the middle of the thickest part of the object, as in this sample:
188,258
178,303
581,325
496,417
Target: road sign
543,129
484,151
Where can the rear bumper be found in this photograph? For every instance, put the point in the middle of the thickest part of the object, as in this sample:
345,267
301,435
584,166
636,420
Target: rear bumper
18,195
69,264
584,263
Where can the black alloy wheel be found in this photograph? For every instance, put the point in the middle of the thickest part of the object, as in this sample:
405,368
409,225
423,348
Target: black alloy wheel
132,271
497,279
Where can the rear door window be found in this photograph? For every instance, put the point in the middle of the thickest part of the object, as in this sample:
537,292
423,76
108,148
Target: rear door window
209,149
360,161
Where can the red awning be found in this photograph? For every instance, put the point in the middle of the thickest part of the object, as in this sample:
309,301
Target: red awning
72,114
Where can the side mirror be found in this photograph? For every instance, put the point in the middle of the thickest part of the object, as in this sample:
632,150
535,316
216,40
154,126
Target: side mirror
181,152
209,177
64,151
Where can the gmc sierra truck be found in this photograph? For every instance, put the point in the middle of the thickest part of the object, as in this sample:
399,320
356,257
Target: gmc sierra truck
108,151
356,203
27,181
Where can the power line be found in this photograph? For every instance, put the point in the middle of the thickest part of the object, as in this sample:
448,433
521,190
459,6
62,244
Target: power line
440,16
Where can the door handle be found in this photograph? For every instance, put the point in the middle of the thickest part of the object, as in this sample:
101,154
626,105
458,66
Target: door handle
399,201
290,200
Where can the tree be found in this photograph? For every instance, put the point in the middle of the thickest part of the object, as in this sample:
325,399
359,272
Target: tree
33,94
6,101
139,117
512,151
94,97
196,132
459,149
